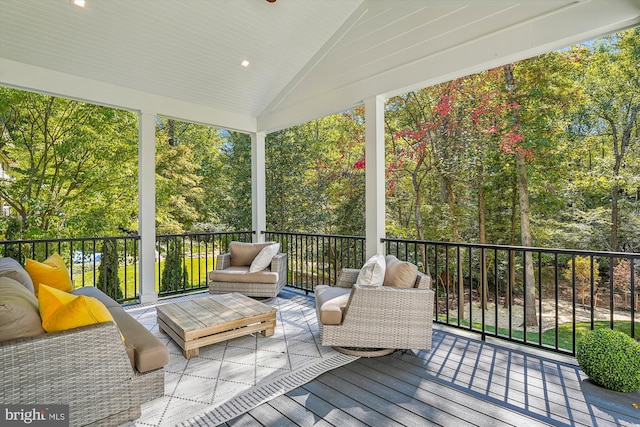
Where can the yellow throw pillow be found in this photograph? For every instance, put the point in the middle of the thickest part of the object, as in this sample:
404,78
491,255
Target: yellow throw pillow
61,311
52,272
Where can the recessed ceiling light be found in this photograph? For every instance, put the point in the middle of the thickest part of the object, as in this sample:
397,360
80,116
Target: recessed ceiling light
79,3
245,63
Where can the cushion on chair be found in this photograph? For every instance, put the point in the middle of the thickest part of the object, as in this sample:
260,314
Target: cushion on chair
19,316
61,310
242,275
264,257
145,350
243,254
372,272
331,302
51,272
399,274
9,267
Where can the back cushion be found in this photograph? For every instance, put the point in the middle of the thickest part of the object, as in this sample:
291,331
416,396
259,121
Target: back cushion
9,267
19,316
400,274
242,254
372,272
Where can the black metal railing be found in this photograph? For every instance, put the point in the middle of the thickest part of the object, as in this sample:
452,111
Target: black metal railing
83,257
316,259
479,288
483,288
196,253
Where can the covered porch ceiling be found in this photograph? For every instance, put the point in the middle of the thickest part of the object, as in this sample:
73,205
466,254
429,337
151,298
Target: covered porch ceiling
307,58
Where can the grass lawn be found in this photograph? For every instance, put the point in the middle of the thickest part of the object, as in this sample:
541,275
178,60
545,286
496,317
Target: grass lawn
197,269
565,332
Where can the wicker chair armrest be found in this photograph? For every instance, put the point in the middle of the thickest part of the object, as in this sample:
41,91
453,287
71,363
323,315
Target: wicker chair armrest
347,277
387,304
279,263
78,367
223,261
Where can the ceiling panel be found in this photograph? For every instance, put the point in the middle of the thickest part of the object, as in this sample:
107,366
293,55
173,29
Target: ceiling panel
308,57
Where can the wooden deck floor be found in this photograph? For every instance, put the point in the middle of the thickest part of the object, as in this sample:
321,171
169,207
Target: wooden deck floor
460,381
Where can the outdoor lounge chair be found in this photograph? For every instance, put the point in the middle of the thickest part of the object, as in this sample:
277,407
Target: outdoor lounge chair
377,318
252,269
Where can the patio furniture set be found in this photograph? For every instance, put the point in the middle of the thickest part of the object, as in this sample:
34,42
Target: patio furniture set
106,367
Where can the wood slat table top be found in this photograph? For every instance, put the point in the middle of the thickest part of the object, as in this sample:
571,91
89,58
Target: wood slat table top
214,310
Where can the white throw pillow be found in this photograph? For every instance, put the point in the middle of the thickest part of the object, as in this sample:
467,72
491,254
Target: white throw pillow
264,257
372,272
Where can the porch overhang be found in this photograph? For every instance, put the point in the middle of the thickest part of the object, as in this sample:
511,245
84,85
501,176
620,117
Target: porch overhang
308,59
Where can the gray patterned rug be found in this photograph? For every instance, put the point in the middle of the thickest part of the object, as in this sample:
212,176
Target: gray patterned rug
232,377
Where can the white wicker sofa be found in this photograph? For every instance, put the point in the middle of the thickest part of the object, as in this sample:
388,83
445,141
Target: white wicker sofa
381,314
104,371
252,269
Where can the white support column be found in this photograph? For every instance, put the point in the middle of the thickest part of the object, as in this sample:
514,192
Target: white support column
147,205
374,174
258,189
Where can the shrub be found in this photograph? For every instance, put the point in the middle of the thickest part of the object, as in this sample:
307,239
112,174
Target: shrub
611,359
175,275
108,279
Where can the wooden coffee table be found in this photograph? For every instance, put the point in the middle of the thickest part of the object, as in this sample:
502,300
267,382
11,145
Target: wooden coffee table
204,321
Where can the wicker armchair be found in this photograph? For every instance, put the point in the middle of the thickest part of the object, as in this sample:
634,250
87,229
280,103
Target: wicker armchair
230,276
379,318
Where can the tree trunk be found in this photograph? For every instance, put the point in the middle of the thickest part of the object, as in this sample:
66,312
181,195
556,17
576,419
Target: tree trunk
531,317
484,286
418,217
508,300
451,202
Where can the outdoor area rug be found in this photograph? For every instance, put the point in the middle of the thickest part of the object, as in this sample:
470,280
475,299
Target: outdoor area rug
232,377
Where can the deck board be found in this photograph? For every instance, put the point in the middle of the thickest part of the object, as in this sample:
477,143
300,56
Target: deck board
462,380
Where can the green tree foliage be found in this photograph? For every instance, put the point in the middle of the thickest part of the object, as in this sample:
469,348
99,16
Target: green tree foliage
73,165
230,182
580,268
179,196
611,81
14,232
456,155
174,274
108,279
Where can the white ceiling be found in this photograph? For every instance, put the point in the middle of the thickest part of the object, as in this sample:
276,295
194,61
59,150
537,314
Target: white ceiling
308,58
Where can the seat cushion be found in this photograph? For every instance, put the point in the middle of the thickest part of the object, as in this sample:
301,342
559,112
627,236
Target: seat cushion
400,274
331,303
242,275
9,267
372,272
243,254
149,353
19,316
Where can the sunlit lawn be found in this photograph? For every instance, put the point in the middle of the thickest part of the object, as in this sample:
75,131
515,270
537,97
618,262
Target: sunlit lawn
565,332
197,269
